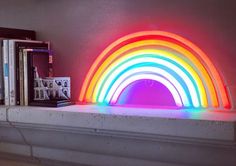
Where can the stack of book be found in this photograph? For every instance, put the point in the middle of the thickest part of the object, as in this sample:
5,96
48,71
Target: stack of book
22,58
5,34
18,64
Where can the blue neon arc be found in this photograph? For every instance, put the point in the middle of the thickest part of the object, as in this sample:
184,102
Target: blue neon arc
159,62
152,73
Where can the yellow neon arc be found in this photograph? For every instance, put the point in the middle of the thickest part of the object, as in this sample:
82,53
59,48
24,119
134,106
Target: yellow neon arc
157,53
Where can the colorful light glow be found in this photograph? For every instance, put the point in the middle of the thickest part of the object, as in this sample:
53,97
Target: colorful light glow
201,83
159,62
145,61
157,78
120,52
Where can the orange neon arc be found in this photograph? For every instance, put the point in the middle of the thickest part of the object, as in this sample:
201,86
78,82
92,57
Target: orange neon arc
207,82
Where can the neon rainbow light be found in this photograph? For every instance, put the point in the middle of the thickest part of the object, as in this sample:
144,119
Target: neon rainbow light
182,67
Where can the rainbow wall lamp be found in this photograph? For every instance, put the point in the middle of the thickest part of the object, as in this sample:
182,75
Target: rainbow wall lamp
178,64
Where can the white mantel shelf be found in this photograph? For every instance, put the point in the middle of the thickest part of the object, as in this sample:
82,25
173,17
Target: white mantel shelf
101,135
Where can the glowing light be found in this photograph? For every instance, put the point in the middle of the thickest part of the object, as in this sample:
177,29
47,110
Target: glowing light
157,62
121,52
193,70
157,78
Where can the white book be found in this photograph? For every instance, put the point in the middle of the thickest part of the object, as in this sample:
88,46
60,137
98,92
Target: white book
6,72
21,77
25,70
12,76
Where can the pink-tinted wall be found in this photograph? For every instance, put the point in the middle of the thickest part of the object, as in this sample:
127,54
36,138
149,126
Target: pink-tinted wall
80,29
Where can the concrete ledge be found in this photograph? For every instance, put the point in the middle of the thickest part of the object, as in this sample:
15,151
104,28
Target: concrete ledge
177,123
95,159
3,113
17,149
95,135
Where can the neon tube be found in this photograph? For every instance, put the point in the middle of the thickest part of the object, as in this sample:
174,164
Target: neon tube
155,59
110,79
210,81
134,78
121,51
148,70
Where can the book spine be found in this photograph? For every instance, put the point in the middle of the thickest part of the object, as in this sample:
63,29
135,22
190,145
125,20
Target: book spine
25,70
17,74
6,72
2,74
50,62
12,76
21,77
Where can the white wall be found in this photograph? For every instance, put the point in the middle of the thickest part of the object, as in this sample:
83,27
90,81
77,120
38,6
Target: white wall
80,29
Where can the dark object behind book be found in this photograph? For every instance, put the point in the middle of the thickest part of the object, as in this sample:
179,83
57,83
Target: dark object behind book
12,33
